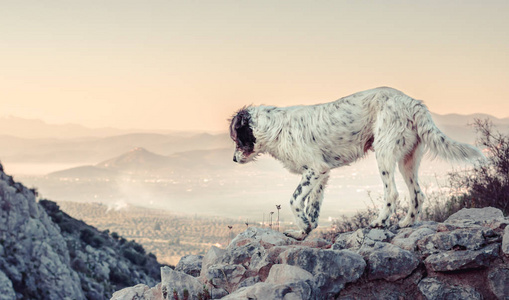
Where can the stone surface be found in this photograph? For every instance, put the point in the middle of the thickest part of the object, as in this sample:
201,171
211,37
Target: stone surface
498,280
505,241
139,292
461,260
388,262
456,260
190,264
476,216
409,241
331,269
212,257
433,289
6,290
176,282
282,274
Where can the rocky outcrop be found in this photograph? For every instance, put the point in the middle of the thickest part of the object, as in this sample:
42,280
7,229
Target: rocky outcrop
45,254
465,257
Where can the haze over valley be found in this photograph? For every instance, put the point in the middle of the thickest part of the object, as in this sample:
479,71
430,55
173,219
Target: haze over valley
190,173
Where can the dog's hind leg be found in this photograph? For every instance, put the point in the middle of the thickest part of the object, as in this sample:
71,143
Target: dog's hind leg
307,191
409,167
386,165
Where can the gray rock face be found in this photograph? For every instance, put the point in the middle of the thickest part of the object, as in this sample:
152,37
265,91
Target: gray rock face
190,264
505,241
388,262
433,289
462,260
6,289
498,280
35,256
456,260
331,269
46,254
476,216
173,282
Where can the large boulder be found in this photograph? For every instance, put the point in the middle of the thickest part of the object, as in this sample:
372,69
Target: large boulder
461,260
388,262
331,269
190,264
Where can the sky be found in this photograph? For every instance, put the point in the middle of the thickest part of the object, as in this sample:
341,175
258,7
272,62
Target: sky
188,65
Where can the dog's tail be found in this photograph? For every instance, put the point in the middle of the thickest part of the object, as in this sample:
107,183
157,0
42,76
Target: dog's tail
438,144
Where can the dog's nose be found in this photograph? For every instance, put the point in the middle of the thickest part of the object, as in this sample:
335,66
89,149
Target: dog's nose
234,158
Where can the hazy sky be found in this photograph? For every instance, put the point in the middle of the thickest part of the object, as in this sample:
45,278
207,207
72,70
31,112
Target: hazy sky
188,65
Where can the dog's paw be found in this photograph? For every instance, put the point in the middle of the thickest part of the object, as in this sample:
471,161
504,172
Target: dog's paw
406,222
379,224
299,235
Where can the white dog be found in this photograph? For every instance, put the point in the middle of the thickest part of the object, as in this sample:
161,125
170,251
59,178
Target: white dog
312,140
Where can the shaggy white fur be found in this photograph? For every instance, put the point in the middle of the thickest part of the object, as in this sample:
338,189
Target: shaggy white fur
312,140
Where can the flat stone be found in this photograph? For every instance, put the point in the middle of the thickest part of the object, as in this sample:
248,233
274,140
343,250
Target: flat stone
461,260
432,288
476,216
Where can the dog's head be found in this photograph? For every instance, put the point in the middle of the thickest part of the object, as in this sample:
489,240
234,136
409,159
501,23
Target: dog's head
241,132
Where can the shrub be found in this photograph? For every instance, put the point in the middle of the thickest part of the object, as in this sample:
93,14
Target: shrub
488,183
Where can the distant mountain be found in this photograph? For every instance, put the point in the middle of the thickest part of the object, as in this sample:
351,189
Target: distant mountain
92,150
140,161
38,129
136,160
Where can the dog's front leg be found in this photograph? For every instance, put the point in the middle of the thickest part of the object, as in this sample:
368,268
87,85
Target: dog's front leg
306,194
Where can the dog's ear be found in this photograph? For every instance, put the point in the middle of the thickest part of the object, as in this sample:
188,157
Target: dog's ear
233,127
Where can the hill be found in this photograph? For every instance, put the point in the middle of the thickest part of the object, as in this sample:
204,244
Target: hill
46,254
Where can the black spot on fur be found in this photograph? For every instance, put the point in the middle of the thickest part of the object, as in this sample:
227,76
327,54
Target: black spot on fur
355,133
383,173
306,183
297,209
412,215
442,138
388,205
397,142
411,181
386,185
305,167
298,191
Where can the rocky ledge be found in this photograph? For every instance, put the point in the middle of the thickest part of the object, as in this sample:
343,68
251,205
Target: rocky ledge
465,257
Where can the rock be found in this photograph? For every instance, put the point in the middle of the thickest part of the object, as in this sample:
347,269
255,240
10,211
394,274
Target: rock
6,289
212,257
505,241
177,282
281,274
263,290
190,264
498,280
461,260
386,261
433,289
139,292
460,239
476,216
331,269
409,242
225,276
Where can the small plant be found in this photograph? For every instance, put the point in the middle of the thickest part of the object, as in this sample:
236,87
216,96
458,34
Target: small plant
278,207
